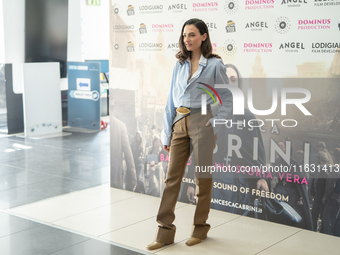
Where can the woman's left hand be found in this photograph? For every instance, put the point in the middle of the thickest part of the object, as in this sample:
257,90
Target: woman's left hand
208,124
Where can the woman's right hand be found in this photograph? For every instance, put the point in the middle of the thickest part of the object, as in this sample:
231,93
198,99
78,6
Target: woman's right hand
166,148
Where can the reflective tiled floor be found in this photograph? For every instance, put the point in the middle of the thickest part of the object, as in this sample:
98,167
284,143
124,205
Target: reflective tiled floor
56,199
34,170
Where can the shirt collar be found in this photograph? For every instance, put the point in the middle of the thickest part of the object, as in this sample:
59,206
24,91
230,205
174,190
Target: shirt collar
202,61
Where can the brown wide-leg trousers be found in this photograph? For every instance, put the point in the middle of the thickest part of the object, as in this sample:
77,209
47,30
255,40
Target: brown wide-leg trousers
190,134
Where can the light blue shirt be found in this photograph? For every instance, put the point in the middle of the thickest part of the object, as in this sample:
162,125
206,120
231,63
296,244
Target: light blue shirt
185,92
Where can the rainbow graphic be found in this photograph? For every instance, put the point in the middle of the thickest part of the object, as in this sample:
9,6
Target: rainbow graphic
208,92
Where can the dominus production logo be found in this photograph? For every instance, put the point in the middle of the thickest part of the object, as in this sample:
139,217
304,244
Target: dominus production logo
230,27
229,47
326,47
177,7
259,4
256,25
293,3
258,47
205,6
131,10
142,29
291,46
231,6
150,9
162,27
327,3
282,25
308,24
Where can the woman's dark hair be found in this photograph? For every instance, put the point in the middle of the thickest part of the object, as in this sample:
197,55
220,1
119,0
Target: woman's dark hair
206,47
239,81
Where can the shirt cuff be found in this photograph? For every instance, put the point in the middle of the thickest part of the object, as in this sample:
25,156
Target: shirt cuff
165,139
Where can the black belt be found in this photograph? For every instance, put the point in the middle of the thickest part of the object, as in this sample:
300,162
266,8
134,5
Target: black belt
180,116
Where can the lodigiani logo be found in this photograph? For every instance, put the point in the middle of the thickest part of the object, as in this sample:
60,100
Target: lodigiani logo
259,4
256,25
230,27
320,3
291,46
205,6
131,10
150,9
142,28
326,47
258,47
308,24
293,3
231,6
177,7
150,46
282,25
123,28
130,47
229,47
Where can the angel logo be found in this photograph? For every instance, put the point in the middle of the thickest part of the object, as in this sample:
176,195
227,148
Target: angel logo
282,25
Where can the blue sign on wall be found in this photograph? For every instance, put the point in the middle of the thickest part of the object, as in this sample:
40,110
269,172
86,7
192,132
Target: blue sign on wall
84,95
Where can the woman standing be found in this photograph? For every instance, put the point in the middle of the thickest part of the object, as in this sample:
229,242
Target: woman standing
188,127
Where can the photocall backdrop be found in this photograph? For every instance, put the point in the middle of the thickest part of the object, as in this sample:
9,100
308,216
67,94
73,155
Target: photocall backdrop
276,46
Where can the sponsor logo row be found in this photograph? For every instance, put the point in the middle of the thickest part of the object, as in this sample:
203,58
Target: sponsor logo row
282,25
230,47
230,6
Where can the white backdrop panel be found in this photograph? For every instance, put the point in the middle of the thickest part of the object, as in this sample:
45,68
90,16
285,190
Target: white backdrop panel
42,103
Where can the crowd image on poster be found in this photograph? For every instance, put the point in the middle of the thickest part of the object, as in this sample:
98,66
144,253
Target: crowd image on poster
277,155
